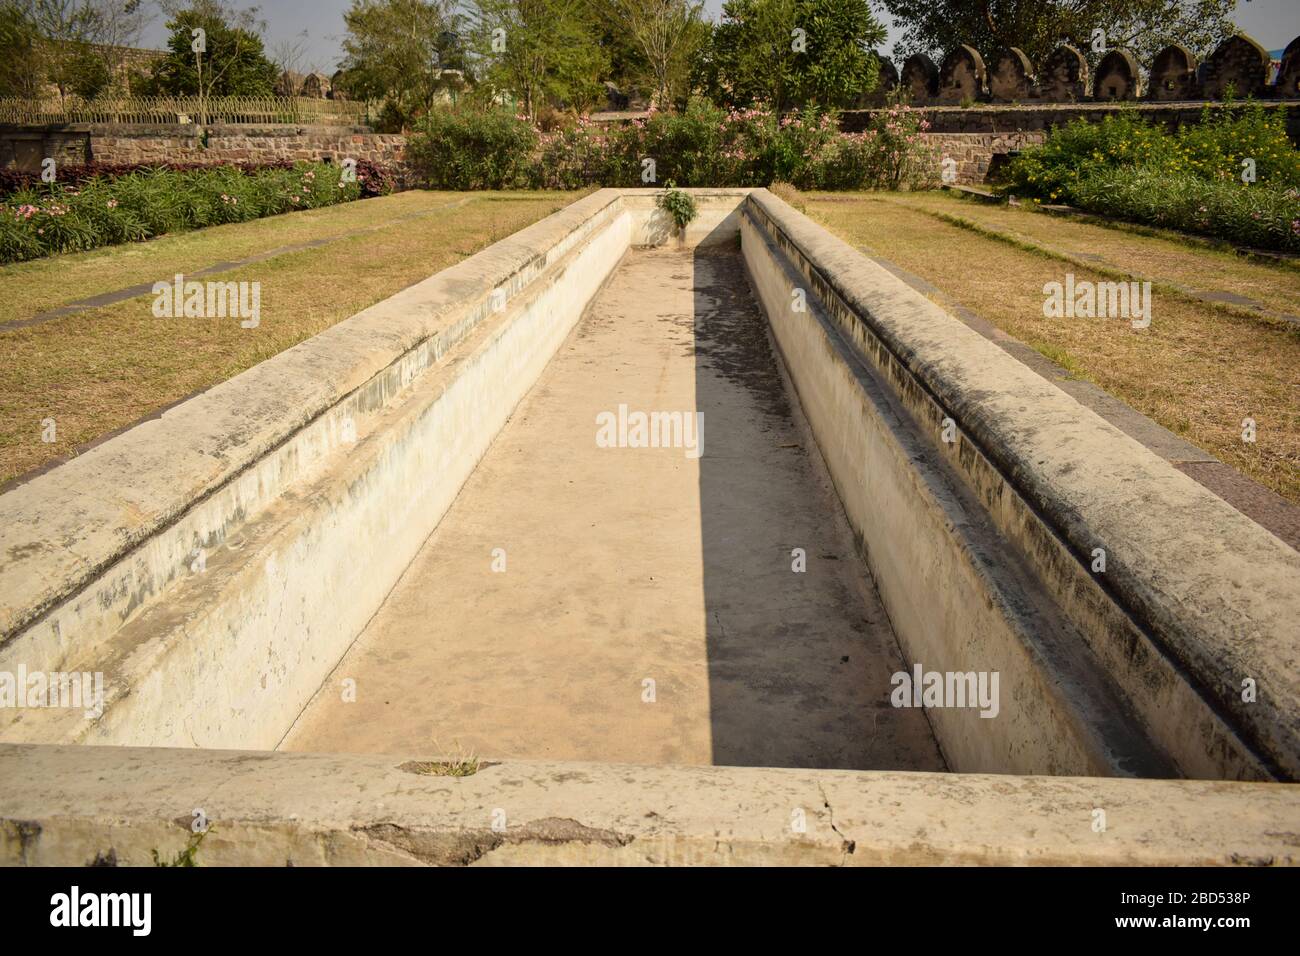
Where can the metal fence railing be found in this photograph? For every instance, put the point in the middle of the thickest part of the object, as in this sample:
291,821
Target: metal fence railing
184,109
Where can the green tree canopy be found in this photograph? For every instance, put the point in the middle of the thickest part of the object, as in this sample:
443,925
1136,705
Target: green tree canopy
234,62
541,52
794,52
396,51
659,38
1038,26
20,60
75,45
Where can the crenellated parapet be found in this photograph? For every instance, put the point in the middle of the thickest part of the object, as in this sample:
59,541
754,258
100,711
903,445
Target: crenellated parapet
1239,67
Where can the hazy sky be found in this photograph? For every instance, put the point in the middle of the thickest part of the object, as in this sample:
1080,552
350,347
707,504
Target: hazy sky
318,25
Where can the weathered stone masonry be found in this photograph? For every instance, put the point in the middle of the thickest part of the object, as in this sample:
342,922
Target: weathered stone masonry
25,147
1024,101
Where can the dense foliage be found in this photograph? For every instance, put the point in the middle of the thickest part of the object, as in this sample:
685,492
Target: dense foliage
473,149
1038,26
396,51
1259,217
39,220
233,62
76,46
538,52
792,53
705,145
1191,179
373,179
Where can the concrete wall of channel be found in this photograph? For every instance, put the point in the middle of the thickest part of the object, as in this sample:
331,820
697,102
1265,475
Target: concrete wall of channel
981,545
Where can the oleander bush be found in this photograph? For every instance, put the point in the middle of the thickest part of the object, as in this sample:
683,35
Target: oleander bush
470,148
374,178
704,145
104,209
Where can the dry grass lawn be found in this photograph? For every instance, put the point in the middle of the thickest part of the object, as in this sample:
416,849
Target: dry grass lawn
100,370
1189,265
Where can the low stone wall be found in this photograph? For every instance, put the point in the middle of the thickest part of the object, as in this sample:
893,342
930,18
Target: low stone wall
979,154
25,147
1030,118
77,806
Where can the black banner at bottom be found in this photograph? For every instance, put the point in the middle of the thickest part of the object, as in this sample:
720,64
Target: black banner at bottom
209,905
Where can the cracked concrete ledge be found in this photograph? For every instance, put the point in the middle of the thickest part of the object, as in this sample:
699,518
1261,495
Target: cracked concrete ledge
281,809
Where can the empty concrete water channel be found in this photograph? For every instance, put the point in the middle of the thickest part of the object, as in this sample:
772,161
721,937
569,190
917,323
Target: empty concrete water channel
648,522
587,600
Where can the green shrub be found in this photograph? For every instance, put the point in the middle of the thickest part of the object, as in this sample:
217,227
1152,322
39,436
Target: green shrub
1260,216
1215,147
708,146
468,148
888,154
1081,149
1190,179
580,154
1211,149
685,146
64,217
679,205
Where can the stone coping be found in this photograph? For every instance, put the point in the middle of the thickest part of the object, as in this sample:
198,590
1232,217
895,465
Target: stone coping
73,806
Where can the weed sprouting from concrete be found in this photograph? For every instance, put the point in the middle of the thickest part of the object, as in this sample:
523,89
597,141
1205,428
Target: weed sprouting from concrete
187,856
462,764
677,204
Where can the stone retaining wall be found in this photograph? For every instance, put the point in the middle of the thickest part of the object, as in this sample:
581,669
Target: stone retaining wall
79,806
978,154
25,147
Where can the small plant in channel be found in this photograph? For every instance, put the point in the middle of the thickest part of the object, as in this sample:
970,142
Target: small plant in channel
678,204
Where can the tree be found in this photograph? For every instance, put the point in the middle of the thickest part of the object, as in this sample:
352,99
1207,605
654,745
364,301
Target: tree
1149,26
20,52
396,51
1039,26
540,51
67,28
83,43
795,52
231,62
290,56
665,33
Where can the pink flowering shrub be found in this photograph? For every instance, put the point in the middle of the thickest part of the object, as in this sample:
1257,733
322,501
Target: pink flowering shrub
705,145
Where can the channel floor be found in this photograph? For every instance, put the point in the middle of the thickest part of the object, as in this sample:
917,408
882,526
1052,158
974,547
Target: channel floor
638,604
